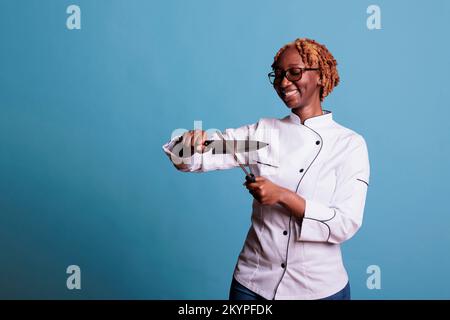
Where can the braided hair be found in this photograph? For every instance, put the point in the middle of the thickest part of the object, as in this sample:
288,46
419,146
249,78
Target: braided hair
316,54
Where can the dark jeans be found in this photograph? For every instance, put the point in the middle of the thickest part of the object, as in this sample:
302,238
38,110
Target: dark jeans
239,292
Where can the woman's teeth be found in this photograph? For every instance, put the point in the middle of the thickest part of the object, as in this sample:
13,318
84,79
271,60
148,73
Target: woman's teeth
290,93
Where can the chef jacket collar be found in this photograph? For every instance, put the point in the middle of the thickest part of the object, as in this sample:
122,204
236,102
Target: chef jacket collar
316,121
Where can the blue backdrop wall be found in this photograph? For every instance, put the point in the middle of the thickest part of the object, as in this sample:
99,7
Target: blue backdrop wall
84,113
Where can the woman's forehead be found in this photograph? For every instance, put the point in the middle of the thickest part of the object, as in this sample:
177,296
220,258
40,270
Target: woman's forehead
290,57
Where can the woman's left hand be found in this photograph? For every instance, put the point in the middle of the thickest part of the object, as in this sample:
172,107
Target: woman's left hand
265,191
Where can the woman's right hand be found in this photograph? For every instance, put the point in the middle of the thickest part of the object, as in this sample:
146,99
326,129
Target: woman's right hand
194,140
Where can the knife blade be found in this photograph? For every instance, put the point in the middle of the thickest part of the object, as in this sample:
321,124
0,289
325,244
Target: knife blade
227,147
238,146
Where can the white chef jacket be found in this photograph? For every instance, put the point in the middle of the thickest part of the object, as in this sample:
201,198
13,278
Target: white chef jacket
327,164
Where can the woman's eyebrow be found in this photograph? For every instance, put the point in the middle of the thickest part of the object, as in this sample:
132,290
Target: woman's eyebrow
290,65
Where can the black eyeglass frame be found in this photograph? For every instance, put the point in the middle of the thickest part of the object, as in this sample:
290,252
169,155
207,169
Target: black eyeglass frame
286,73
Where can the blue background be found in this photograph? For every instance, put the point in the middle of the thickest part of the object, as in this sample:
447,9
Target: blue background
84,113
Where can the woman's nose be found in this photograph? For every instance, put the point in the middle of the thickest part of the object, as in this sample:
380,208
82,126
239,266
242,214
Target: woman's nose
284,82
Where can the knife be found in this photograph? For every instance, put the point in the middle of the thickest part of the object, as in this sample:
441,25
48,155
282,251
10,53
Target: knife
227,146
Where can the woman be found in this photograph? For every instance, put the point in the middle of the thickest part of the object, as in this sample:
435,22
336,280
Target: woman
310,189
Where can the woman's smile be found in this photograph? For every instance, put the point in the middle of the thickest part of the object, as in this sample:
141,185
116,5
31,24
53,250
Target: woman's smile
290,93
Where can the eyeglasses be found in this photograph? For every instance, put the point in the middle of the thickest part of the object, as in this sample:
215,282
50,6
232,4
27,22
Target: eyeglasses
292,74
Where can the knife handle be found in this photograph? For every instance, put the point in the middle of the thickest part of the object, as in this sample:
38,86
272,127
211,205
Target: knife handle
180,154
250,178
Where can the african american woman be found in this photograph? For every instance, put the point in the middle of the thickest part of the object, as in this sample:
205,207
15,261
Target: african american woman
310,187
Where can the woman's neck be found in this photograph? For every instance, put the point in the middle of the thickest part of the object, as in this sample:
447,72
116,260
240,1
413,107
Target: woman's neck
308,111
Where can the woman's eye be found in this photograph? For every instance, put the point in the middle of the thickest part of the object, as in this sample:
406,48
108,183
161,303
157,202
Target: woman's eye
295,72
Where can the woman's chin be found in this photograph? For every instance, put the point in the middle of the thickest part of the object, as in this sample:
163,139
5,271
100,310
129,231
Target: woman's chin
292,104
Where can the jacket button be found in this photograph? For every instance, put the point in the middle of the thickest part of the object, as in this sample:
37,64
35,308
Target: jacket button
301,170
283,265
285,232
317,142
